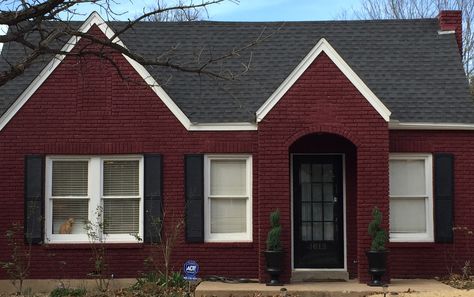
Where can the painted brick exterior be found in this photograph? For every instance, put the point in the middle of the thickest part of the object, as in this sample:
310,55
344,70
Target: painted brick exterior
85,108
451,20
432,259
323,100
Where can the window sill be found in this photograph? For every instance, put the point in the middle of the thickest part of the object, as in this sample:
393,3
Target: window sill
86,246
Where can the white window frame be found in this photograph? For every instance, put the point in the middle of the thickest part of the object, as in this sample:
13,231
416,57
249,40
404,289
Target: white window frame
227,237
95,196
427,236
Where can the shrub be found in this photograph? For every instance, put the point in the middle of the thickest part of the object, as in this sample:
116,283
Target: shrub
67,292
379,235
273,239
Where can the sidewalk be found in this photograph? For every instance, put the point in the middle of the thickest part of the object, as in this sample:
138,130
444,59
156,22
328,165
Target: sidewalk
350,288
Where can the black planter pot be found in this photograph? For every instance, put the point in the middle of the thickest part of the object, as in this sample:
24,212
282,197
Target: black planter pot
377,267
274,261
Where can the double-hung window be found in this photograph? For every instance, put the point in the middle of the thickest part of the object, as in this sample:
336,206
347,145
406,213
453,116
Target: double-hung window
228,198
105,193
411,198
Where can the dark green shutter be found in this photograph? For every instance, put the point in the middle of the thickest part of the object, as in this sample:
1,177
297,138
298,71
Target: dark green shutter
194,193
153,198
443,197
34,199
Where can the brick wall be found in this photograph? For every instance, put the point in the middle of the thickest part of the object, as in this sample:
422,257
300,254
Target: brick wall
323,100
432,259
84,107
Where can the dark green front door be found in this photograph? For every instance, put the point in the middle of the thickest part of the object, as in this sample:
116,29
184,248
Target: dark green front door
318,211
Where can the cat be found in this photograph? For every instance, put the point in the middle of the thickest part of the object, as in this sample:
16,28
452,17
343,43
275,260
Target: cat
66,227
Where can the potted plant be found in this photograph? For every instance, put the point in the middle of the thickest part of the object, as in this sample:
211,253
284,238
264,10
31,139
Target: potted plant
274,252
377,256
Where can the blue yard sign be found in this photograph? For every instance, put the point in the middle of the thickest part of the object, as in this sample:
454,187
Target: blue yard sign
191,269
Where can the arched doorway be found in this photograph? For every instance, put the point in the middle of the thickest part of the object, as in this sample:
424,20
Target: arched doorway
323,180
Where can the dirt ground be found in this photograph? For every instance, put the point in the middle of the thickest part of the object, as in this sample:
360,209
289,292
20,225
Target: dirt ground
457,293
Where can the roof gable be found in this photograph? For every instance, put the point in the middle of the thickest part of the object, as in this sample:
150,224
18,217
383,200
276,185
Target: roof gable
412,69
323,46
96,19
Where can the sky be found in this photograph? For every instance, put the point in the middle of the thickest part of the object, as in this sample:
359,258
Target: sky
252,10
245,10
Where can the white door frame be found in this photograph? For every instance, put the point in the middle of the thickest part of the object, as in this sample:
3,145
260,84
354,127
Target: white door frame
343,211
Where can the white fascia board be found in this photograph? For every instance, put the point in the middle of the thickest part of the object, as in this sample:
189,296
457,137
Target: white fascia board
93,19
429,126
440,32
323,46
223,127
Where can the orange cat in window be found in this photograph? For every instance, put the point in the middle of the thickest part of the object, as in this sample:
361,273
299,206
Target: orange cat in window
66,227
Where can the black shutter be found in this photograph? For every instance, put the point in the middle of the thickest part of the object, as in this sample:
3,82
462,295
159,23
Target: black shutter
153,198
194,193
443,197
34,199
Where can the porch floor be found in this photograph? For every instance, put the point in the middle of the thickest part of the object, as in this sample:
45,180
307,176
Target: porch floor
350,288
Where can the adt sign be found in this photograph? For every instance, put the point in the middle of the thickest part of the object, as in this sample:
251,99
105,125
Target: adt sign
191,269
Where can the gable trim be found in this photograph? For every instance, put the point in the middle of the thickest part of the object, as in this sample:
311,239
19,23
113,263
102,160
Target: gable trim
323,46
395,125
93,19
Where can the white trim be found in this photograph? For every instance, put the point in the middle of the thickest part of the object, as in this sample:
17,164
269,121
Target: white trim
95,19
395,125
344,269
323,46
223,127
427,236
441,32
227,237
95,175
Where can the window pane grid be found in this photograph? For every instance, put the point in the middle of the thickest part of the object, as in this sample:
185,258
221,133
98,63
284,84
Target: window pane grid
77,189
410,198
228,194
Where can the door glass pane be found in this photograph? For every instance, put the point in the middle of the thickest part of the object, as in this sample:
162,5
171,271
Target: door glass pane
306,211
328,231
328,211
70,216
306,231
328,174
407,177
228,177
317,231
316,174
306,192
317,192
328,192
317,212
69,178
305,173
228,215
408,215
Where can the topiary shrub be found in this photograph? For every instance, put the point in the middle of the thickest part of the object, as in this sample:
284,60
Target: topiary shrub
379,235
273,238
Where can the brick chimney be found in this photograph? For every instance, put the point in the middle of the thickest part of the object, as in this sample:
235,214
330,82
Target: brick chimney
451,20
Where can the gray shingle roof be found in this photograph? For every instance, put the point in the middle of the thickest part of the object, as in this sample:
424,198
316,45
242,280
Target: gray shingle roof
416,72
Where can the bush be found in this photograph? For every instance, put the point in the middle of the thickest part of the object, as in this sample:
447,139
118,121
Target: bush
273,239
67,292
379,236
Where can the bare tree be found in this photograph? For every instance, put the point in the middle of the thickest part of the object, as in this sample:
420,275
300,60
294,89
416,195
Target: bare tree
43,27
410,9
179,15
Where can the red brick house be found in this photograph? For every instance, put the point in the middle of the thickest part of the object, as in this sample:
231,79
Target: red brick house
332,119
